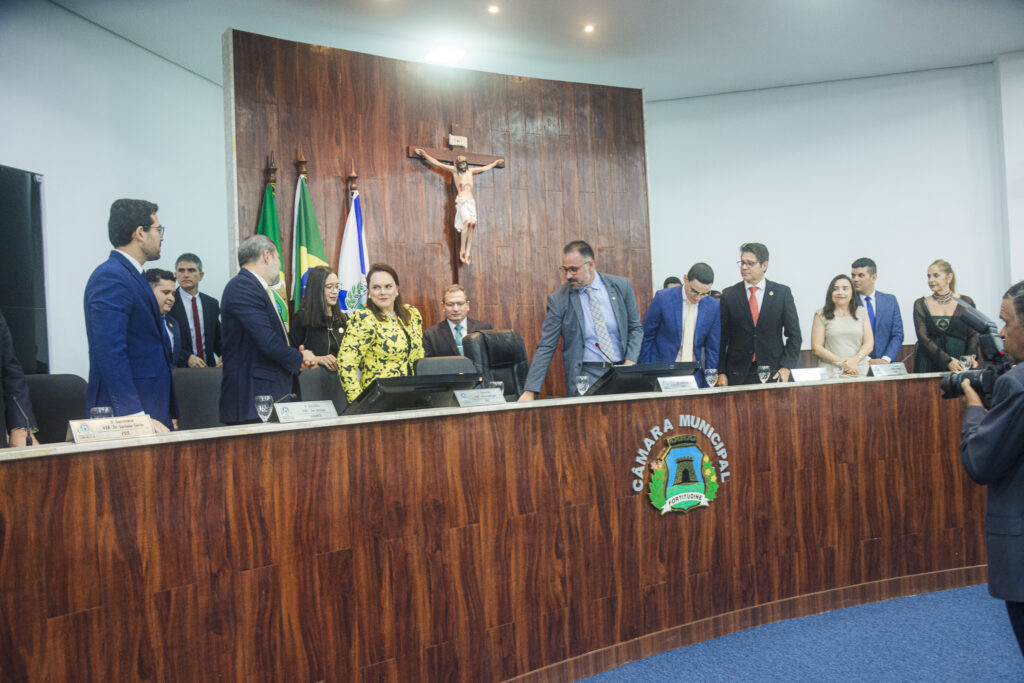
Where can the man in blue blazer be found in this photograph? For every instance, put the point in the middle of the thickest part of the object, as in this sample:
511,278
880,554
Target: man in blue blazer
588,308
257,357
129,352
883,312
665,323
992,451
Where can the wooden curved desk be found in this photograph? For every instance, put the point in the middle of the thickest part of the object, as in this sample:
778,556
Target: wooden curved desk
476,544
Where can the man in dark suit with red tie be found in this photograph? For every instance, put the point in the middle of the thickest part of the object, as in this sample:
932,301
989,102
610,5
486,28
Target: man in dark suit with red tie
445,338
198,315
759,324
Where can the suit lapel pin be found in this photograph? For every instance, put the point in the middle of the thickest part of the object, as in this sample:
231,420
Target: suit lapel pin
613,298
771,293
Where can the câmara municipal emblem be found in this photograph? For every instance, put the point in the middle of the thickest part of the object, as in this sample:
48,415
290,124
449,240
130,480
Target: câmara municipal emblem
682,476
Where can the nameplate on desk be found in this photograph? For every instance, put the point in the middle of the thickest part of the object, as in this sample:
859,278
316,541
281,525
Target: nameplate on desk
809,374
678,383
887,370
303,411
110,428
468,398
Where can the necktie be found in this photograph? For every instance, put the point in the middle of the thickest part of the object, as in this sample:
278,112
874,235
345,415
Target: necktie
688,329
871,312
198,325
600,329
458,338
753,309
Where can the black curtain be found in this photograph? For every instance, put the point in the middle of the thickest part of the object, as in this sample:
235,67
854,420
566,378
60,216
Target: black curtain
22,292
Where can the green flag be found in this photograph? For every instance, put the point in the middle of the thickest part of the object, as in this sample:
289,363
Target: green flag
269,228
309,246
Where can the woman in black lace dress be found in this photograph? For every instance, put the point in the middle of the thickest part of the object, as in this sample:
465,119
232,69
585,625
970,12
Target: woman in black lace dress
942,336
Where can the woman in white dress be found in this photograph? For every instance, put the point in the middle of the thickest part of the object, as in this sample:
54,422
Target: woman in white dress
841,335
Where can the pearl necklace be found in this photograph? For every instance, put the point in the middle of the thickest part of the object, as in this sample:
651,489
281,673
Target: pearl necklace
943,299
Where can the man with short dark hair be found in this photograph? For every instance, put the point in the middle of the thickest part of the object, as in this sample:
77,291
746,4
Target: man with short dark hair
596,315
684,324
445,338
258,359
759,323
162,282
883,312
671,281
992,450
129,354
198,314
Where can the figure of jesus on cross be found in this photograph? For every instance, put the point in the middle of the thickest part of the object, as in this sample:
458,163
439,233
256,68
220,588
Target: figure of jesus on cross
465,205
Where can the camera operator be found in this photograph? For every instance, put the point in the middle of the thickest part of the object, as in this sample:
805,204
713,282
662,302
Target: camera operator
992,450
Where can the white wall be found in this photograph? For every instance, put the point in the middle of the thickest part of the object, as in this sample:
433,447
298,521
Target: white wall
1010,70
903,169
101,118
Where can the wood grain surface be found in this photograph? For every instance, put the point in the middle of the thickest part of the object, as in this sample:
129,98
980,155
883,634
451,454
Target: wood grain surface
476,547
575,169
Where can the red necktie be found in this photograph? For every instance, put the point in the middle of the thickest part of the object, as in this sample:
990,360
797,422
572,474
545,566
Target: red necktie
753,309
199,329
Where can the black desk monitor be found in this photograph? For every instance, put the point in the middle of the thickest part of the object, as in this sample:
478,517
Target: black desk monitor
632,379
408,393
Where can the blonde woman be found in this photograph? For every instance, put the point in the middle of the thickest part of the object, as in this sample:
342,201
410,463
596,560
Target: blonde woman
942,336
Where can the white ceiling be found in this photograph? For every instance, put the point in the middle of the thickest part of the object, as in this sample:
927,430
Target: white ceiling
670,48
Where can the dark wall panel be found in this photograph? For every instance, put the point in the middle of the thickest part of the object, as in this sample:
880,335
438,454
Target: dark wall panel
575,170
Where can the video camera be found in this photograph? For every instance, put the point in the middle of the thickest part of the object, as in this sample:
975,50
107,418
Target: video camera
995,361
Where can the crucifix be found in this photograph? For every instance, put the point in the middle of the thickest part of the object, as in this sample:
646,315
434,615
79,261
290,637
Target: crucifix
459,163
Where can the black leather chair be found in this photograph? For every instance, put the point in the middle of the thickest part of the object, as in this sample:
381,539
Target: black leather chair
500,356
198,392
320,384
55,400
444,365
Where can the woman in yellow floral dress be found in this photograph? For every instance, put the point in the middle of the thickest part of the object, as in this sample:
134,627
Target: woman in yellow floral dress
382,340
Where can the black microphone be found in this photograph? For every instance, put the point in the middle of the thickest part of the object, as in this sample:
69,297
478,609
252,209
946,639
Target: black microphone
606,356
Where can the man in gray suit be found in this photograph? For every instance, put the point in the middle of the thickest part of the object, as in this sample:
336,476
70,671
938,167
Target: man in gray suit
992,450
596,315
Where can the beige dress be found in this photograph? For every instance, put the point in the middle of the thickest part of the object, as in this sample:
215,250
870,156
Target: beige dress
844,335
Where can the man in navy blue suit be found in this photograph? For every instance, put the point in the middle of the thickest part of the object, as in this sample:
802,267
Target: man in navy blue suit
883,312
129,352
257,359
162,282
684,323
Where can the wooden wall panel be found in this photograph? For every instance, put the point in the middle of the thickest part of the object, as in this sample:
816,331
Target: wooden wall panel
575,169
475,547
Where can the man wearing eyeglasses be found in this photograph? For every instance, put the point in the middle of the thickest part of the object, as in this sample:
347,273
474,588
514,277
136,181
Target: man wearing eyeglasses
759,324
445,338
129,351
683,323
597,316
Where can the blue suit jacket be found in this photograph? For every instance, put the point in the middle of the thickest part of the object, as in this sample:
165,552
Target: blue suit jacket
663,330
565,319
129,353
888,326
179,358
257,357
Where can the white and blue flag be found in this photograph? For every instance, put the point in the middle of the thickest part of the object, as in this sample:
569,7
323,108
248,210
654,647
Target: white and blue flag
352,262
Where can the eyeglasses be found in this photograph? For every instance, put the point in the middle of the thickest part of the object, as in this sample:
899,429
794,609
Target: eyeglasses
455,304
747,264
332,288
572,270
158,228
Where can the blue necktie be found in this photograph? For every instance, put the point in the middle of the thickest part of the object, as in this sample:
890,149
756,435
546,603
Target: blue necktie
871,312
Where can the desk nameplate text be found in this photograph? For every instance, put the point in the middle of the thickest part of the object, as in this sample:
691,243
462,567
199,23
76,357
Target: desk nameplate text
678,383
303,411
888,370
110,428
468,398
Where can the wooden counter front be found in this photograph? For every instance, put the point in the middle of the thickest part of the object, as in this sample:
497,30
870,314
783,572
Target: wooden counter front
477,544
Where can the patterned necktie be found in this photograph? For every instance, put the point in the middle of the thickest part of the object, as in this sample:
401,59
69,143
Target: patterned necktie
871,312
603,340
458,338
198,326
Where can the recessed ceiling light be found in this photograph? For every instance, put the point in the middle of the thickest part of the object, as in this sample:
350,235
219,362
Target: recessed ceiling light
589,28
493,9
443,54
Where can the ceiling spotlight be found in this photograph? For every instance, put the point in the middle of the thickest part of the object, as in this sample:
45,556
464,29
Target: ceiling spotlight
444,54
493,9
589,28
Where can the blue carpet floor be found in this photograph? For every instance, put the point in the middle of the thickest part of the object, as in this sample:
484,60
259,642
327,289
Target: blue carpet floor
956,635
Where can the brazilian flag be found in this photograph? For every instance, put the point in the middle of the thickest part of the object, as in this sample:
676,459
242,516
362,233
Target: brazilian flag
309,246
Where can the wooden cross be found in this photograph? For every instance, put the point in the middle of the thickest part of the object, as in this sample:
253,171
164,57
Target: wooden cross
448,154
